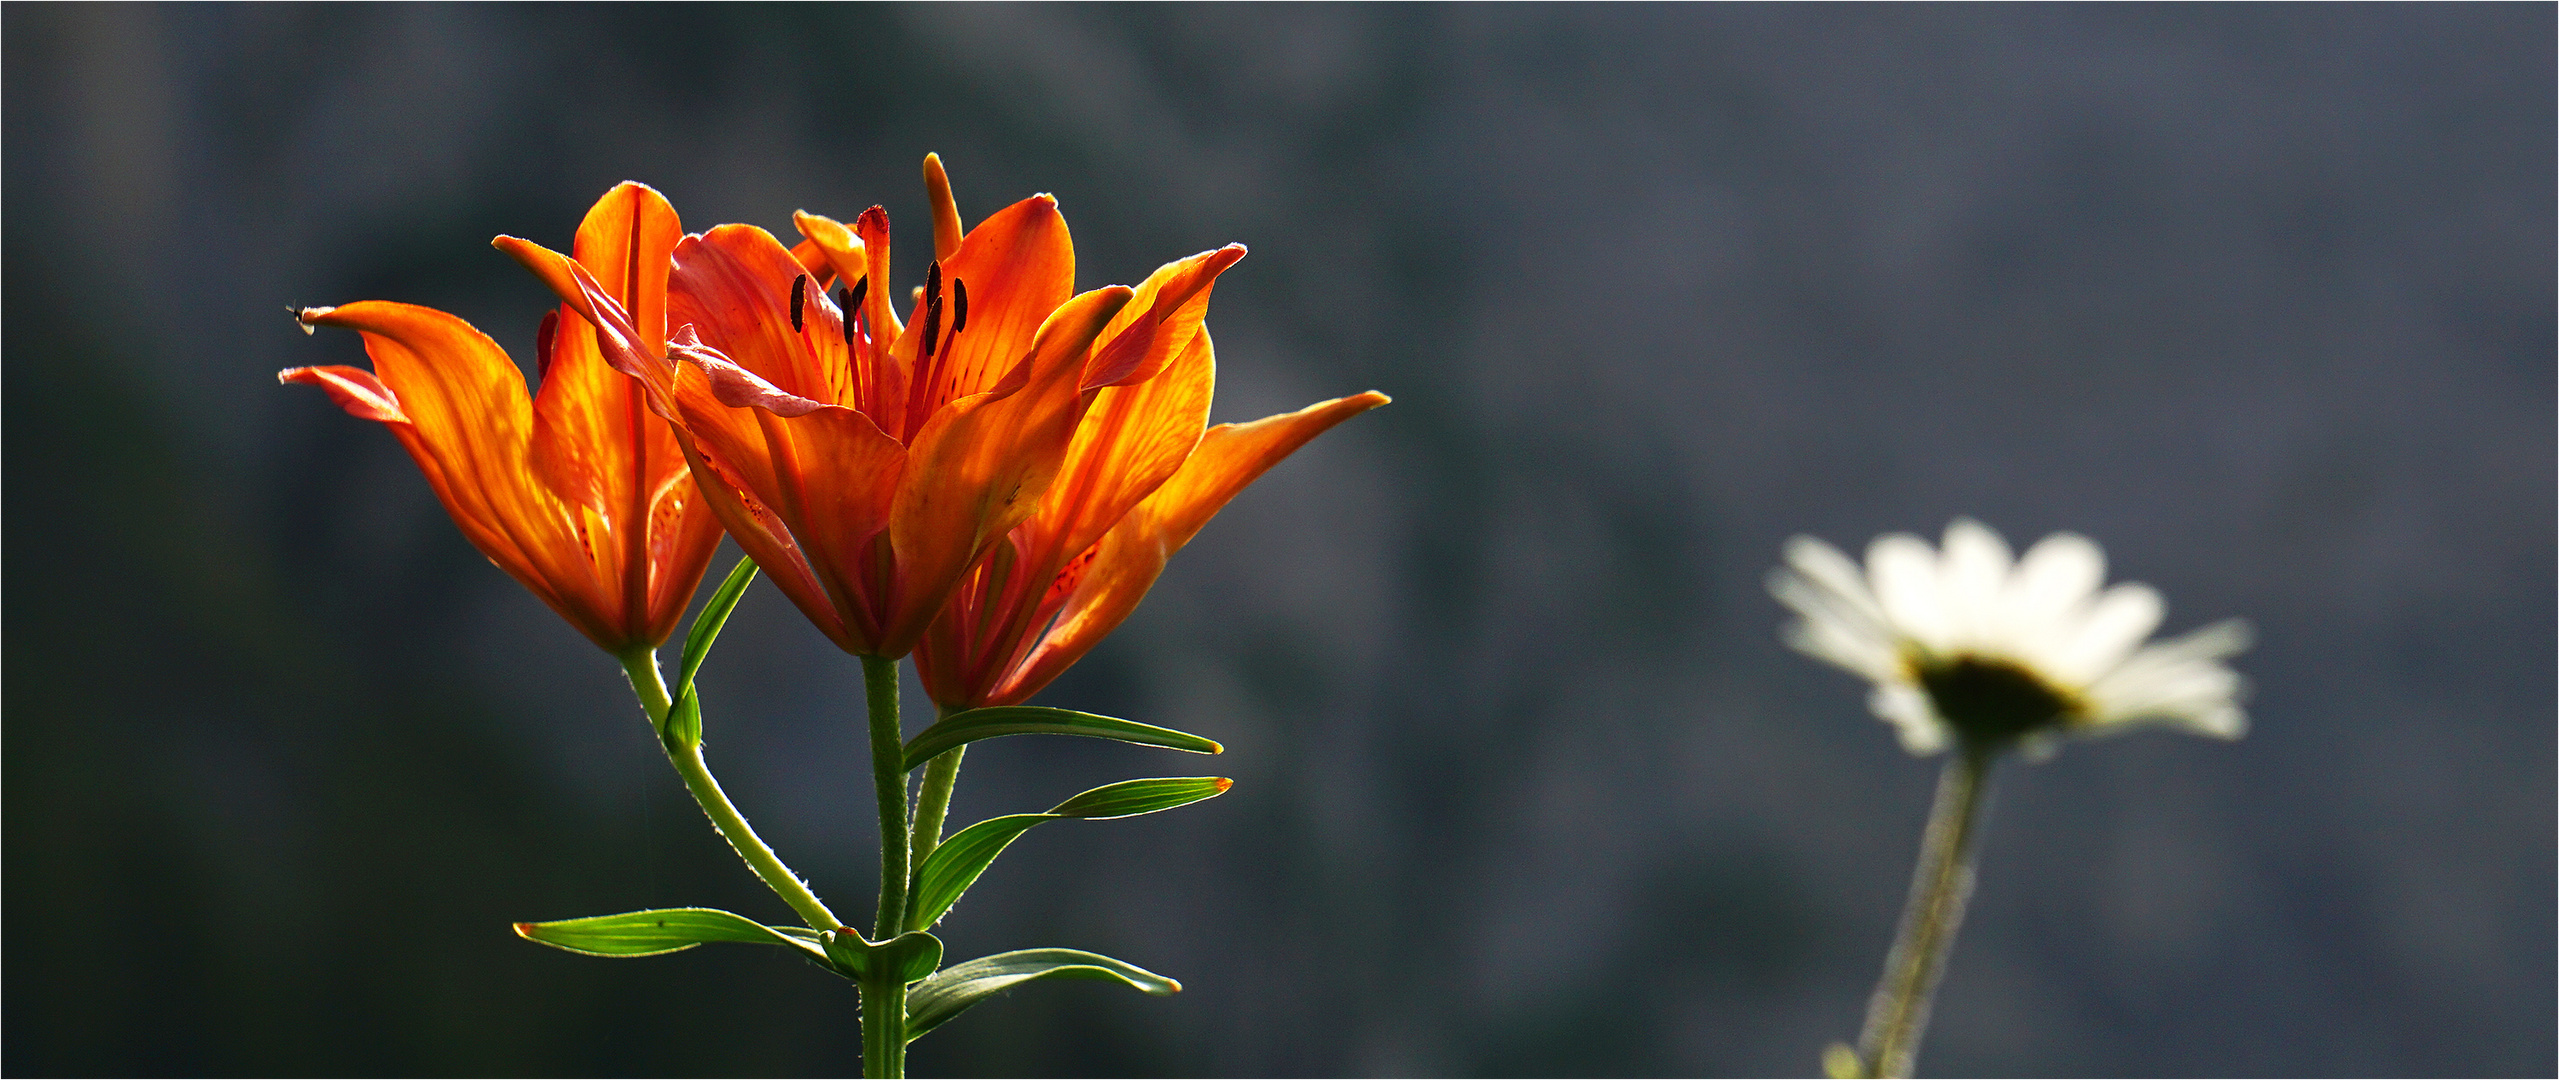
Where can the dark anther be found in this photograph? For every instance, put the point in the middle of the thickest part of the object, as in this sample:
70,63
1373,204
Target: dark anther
959,306
932,305
860,288
799,296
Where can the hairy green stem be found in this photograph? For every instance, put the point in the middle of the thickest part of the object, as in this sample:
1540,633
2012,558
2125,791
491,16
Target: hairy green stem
883,992
883,1021
641,664
933,805
1939,889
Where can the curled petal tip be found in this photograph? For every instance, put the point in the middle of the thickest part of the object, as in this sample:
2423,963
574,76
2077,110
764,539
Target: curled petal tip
309,317
1223,783
1176,984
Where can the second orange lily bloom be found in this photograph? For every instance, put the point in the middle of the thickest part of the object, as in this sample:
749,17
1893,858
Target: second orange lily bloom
576,491
1140,480
867,464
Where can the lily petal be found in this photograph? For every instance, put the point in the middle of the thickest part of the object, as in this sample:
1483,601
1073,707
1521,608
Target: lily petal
983,463
828,249
1132,439
621,343
587,417
734,286
595,441
1157,325
1132,555
946,212
467,419
352,388
1017,266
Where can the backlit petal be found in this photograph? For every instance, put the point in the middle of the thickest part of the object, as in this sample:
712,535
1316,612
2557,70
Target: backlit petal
1132,555
1130,441
1159,324
830,247
352,388
1903,571
593,439
946,211
1018,266
469,420
983,464
733,285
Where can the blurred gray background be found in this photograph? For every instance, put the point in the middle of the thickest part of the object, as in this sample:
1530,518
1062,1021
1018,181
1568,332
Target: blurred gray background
2260,298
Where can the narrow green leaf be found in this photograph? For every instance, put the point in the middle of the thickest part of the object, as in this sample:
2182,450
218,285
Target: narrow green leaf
960,729
666,930
956,864
706,626
1129,798
950,993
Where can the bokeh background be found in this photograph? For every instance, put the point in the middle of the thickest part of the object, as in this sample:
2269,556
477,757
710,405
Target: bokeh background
2261,298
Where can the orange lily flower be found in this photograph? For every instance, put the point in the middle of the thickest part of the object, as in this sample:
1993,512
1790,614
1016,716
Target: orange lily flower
576,491
1140,480
866,463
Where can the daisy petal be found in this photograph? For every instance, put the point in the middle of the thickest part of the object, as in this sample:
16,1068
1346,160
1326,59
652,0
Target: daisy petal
1912,718
2057,575
1903,572
1971,575
2115,624
1824,566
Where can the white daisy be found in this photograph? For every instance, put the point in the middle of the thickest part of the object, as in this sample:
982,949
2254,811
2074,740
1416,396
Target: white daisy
1966,644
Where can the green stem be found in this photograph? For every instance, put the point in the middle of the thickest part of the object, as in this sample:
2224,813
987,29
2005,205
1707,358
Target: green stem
883,1021
641,664
933,805
1941,886
883,992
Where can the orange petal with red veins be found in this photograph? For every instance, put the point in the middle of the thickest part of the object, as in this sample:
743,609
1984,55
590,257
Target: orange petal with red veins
767,458
1130,441
812,259
1018,266
1132,555
616,338
733,285
593,440
983,463
762,536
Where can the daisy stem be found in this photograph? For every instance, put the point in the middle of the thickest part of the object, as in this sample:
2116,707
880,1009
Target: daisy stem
642,667
1939,889
883,991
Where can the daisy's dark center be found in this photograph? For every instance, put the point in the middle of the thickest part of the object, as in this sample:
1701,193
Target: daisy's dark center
1991,701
